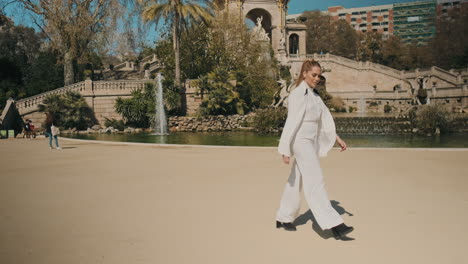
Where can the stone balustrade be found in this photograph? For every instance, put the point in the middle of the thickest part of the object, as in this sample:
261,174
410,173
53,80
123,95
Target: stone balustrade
30,104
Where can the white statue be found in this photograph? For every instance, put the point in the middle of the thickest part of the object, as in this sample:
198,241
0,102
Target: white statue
282,43
258,31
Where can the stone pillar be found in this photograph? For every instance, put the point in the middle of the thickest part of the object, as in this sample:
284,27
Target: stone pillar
193,100
464,99
88,92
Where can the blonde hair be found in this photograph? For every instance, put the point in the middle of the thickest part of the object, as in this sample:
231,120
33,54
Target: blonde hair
306,66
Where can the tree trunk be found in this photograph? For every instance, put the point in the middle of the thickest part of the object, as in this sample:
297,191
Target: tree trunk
176,39
68,71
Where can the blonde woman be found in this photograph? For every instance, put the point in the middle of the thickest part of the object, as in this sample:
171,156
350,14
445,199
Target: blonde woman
309,132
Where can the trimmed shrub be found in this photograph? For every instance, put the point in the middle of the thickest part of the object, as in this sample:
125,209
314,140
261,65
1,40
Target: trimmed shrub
431,117
70,110
270,119
118,124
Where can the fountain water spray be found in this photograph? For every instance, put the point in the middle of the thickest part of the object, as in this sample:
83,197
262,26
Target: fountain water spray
160,122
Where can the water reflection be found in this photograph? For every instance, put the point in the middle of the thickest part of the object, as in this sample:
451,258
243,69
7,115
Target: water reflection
253,139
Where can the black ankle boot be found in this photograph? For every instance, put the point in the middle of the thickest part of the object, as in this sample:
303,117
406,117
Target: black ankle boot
286,226
341,230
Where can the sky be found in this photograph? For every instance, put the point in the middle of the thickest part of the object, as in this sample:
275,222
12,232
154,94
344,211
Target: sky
299,6
295,7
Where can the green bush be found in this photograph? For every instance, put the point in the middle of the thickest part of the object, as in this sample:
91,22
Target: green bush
431,117
352,109
387,108
70,110
270,119
118,124
373,104
140,110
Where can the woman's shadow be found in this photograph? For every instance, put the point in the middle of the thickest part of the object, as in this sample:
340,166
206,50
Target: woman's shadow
325,234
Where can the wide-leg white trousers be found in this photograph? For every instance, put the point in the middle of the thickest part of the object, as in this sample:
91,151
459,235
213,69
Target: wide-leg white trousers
306,173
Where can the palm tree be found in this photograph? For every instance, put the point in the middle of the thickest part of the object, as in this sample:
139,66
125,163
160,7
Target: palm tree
178,13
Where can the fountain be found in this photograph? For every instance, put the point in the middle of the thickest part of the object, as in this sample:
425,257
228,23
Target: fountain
160,122
361,105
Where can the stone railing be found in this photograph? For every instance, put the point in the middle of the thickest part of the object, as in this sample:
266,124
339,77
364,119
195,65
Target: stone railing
445,75
149,59
109,86
435,71
30,104
448,92
359,65
125,66
86,88
369,95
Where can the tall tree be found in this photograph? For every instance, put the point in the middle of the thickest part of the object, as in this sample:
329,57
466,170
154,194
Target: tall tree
72,26
178,14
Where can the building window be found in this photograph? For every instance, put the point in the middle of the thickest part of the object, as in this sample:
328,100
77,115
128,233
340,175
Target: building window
364,31
385,29
374,30
353,19
294,44
386,16
374,17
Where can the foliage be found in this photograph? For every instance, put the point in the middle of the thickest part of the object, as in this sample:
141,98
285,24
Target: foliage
285,74
324,95
70,110
177,14
270,119
450,45
337,104
352,109
447,50
140,109
118,124
73,27
373,104
26,69
225,47
222,97
433,116
231,51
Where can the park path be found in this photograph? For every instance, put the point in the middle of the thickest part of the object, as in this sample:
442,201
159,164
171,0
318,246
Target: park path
101,203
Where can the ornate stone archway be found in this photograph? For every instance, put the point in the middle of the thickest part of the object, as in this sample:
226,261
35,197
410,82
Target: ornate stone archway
274,23
261,15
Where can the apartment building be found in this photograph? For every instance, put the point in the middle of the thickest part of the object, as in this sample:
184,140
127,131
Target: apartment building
415,21
412,21
366,19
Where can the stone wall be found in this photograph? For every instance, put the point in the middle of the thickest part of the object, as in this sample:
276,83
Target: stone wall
344,125
208,123
372,125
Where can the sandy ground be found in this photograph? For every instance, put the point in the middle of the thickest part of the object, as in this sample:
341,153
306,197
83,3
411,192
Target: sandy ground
102,203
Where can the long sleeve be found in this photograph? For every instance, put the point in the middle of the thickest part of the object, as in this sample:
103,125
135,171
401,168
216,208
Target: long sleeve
327,132
296,110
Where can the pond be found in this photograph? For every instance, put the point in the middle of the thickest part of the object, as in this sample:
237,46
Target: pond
254,139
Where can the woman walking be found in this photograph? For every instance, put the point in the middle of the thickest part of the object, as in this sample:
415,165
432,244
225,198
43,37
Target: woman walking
49,122
309,132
